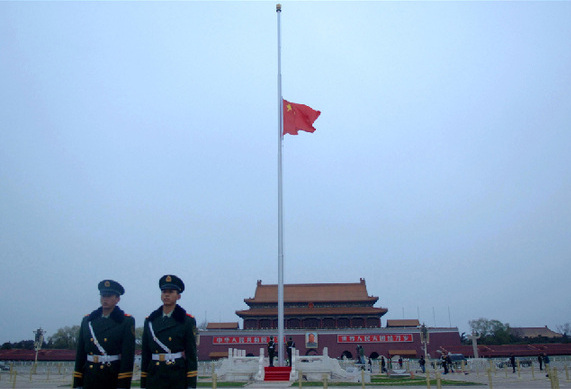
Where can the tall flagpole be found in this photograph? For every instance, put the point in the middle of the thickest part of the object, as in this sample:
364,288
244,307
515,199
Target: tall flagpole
280,339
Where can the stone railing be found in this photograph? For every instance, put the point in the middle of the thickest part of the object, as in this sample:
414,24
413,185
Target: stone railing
239,368
316,367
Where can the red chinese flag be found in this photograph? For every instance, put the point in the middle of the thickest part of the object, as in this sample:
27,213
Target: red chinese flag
298,117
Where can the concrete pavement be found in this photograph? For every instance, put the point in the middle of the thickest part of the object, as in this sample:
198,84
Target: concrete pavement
500,380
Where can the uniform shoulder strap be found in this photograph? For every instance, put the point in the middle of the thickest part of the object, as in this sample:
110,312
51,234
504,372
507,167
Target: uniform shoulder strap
97,344
157,341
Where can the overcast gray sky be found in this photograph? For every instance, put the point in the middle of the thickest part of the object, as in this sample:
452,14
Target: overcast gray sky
139,139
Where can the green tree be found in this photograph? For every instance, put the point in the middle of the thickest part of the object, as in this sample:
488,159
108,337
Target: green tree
565,329
501,333
65,338
491,331
464,339
24,344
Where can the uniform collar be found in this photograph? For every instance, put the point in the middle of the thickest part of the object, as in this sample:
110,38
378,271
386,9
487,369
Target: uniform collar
117,314
178,313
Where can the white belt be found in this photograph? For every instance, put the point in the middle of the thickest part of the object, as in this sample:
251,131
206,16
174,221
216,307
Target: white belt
170,357
103,358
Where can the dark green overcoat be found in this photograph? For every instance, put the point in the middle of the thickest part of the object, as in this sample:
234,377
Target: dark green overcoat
116,335
178,334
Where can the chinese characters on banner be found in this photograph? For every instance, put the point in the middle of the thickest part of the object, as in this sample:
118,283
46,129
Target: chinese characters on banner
401,338
241,339
374,338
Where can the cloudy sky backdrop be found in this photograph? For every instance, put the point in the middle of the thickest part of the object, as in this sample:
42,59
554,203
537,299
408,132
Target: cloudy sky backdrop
139,139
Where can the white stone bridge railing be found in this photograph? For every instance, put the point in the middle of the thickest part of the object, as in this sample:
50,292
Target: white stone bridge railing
315,367
240,368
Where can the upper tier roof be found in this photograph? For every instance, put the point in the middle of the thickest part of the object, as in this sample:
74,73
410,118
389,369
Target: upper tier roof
330,311
315,293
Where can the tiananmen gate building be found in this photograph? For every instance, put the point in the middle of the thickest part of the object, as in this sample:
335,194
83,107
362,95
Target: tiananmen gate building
338,316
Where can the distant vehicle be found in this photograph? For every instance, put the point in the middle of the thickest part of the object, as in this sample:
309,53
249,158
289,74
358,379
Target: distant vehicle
507,363
457,359
4,366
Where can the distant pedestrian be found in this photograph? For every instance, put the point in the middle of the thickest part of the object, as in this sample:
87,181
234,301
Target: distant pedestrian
383,365
422,362
512,361
540,360
361,355
444,363
546,361
449,363
400,363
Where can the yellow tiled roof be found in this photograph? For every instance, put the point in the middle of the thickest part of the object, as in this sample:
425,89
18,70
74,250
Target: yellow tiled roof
338,292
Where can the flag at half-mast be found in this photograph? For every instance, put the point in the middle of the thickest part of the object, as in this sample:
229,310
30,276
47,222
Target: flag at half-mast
298,117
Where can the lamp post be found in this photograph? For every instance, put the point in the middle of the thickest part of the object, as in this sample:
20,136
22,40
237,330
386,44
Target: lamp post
424,339
38,342
474,338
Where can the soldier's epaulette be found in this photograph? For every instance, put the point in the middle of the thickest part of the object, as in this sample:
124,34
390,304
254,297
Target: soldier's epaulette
127,315
189,315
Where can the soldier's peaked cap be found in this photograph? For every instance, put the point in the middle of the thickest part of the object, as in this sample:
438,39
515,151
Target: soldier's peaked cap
110,286
169,281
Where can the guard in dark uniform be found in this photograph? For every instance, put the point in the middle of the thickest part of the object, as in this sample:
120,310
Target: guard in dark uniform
169,358
106,344
290,347
271,350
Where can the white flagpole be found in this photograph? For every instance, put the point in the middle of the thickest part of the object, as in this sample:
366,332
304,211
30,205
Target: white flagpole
280,339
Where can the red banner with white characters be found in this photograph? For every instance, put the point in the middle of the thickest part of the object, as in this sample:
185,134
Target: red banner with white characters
375,338
400,338
241,339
